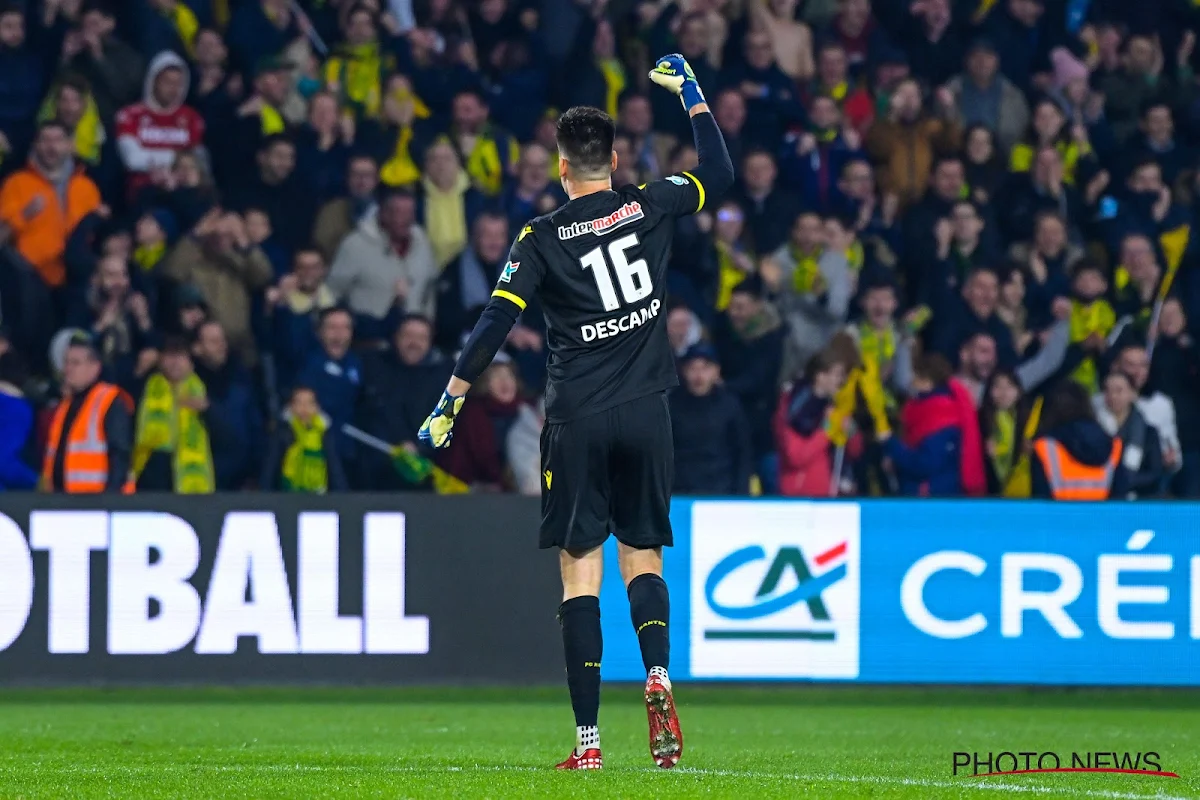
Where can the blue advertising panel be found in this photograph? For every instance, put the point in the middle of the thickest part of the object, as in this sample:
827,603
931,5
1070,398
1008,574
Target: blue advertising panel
928,591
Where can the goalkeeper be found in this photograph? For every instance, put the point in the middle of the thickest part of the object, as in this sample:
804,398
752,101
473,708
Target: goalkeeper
598,266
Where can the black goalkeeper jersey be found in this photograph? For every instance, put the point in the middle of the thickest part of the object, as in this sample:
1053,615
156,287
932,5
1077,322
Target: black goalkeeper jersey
598,267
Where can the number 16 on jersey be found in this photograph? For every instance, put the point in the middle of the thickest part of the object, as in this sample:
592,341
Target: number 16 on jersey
633,276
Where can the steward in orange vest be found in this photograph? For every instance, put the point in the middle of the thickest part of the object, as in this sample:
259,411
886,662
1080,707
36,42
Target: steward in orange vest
90,447
1073,457
1069,478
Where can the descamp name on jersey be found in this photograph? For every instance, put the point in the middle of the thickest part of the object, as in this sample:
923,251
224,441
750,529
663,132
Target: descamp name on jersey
615,325
630,212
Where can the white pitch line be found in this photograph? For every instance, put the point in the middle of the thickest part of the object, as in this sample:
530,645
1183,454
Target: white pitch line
875,780
885,780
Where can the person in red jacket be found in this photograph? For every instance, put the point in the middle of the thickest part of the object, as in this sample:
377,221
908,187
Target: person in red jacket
802,430
151,133
942,450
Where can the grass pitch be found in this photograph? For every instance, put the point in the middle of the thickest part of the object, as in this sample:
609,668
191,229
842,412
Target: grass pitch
746,743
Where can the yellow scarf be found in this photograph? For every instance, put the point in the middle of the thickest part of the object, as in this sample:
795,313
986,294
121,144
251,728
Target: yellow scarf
301,303
304,466
272,120
147,256
400,169
356,73
1020,158
1020,480
1004,444
184,21
89,134
1088,318
876,347
163,426
446,218
728,275
484,164
805,273
614,83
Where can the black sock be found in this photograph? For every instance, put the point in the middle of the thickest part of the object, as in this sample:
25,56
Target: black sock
582,644
650,609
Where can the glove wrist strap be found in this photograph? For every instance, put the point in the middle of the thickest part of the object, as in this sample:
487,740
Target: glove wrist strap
691,95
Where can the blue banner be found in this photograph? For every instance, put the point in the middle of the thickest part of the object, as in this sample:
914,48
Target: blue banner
925,592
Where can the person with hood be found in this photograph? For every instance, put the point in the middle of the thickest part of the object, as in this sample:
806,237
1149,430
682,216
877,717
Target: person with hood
150,134
941,453
386,262
713,455
303,455
804,425
1074,458
43,203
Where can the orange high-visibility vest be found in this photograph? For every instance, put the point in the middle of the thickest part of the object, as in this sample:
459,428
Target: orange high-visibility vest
85,464
1071,480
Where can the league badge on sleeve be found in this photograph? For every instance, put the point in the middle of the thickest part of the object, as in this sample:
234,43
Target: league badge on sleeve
509,270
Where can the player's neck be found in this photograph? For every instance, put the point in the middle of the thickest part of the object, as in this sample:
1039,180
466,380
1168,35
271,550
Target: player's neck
577,189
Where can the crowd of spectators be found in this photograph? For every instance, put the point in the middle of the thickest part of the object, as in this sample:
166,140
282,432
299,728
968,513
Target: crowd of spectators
264,221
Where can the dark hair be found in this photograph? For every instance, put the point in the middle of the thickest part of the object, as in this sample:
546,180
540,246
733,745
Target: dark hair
1088,265
176,344
275,138
413,317
823,361
1067,402
987,409
326,313
73,80
947,159
751,285
934,367
1141,162
53,123
10,7
362,155
1153,102
843,218
585,138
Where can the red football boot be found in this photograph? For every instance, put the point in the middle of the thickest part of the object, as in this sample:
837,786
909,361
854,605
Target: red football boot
666,739
590,759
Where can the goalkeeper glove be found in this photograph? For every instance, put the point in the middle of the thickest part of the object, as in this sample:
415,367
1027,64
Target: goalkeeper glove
438,428
674,73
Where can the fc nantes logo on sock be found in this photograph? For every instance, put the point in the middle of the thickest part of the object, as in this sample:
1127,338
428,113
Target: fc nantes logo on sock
549,477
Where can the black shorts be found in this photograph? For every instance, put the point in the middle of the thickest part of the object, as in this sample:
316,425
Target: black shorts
610,472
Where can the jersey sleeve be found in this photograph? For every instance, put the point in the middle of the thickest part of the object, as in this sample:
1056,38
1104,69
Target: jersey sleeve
678,195
522,275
